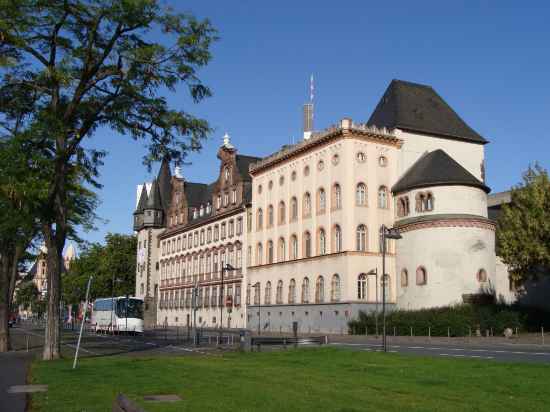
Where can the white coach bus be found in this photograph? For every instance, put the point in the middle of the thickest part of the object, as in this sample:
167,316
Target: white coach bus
126,316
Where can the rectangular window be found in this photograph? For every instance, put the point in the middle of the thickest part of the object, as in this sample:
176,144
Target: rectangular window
231,228
196,238
237,295
249,220
234,196
216,233
209,235
223,230
239,226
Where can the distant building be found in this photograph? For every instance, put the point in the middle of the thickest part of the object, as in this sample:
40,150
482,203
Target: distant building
311,251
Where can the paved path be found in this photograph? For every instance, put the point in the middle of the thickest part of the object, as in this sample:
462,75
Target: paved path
498,352
13,371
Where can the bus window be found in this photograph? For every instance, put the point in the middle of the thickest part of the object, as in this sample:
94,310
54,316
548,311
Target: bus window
135,308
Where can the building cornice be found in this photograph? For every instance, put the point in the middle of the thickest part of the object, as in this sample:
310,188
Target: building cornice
444,220
346,129
177,230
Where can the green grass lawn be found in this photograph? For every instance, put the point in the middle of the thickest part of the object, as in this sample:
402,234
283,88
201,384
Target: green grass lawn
325,379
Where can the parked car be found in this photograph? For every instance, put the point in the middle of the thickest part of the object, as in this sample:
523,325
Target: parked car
12,321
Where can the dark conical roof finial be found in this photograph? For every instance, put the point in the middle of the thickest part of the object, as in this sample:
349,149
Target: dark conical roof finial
164,181
142,202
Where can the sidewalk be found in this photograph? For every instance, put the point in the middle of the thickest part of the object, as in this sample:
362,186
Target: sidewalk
13,372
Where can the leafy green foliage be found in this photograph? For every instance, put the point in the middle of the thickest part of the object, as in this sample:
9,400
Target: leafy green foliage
523,235
28,298
461,319
116,259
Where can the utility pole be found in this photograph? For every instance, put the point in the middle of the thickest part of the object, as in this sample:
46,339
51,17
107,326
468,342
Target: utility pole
82,323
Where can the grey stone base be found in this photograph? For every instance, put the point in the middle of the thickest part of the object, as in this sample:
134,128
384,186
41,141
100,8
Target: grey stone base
311,318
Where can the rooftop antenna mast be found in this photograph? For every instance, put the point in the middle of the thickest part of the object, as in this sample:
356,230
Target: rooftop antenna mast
308,111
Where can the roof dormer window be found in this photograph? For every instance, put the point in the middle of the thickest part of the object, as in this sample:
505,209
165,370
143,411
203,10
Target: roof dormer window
195,213
208,208
201,212
227,173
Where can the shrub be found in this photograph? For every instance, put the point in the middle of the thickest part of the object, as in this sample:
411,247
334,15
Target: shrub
459,320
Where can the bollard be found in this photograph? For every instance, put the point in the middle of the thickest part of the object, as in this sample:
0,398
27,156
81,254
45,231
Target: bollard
448,333
429,332
516,332
411,331
27,339
492,332
394,331
542,333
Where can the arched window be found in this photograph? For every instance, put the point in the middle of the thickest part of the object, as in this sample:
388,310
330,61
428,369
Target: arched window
481,276
322,242
361,194
293,247
421,276
281,250
429,202
404,278
259,219
257,292
337,239
336,196
321,201
362,287
267,294
383,197
307,205
361,238
279,296
292,291
269,251
270,218
293,209
305,290
307,244
248,290
320,290
420,202
259,254
282,211
335,288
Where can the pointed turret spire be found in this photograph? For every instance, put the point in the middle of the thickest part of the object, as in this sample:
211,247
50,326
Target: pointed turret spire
154,200
142,202
164,183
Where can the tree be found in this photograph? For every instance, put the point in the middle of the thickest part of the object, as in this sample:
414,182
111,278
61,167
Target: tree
28,298
77,65
523,234
114,260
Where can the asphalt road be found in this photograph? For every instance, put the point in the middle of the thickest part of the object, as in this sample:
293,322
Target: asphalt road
494,351
13,371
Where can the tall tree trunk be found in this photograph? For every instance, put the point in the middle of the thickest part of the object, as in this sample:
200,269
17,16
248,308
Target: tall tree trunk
4,300
14,272
52,335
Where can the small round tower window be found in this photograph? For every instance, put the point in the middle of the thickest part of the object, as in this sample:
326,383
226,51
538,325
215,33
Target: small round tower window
320,165
361,157
335,159
293,175
281,180
270,184
306,171
260,189
382,161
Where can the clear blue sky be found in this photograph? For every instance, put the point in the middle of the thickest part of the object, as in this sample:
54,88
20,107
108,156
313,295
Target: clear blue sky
489,60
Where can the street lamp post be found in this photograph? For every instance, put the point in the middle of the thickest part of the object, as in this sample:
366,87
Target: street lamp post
258,285
225,267
387,233
113,280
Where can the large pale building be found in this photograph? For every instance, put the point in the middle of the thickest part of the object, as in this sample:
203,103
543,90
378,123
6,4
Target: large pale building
307,220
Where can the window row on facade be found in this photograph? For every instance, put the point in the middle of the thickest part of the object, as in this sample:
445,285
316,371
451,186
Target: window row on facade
270,255
424,202
213,233
289,294
207,297
422,276
360,156
321,205
205,265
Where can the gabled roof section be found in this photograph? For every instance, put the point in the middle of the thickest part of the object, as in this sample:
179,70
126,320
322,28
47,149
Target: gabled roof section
164,182
154,200
243,164
142,203
198,193
417,107
436,168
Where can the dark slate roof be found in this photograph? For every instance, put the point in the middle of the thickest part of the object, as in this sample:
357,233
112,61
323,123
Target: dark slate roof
243,163
154,199
165,184
142,203
198,193
417,107
436,168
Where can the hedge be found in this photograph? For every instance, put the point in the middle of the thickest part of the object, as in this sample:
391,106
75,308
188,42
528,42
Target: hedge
459,320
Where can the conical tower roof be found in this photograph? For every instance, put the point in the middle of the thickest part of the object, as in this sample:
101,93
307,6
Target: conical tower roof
164,181
437,168
142,203
154,200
